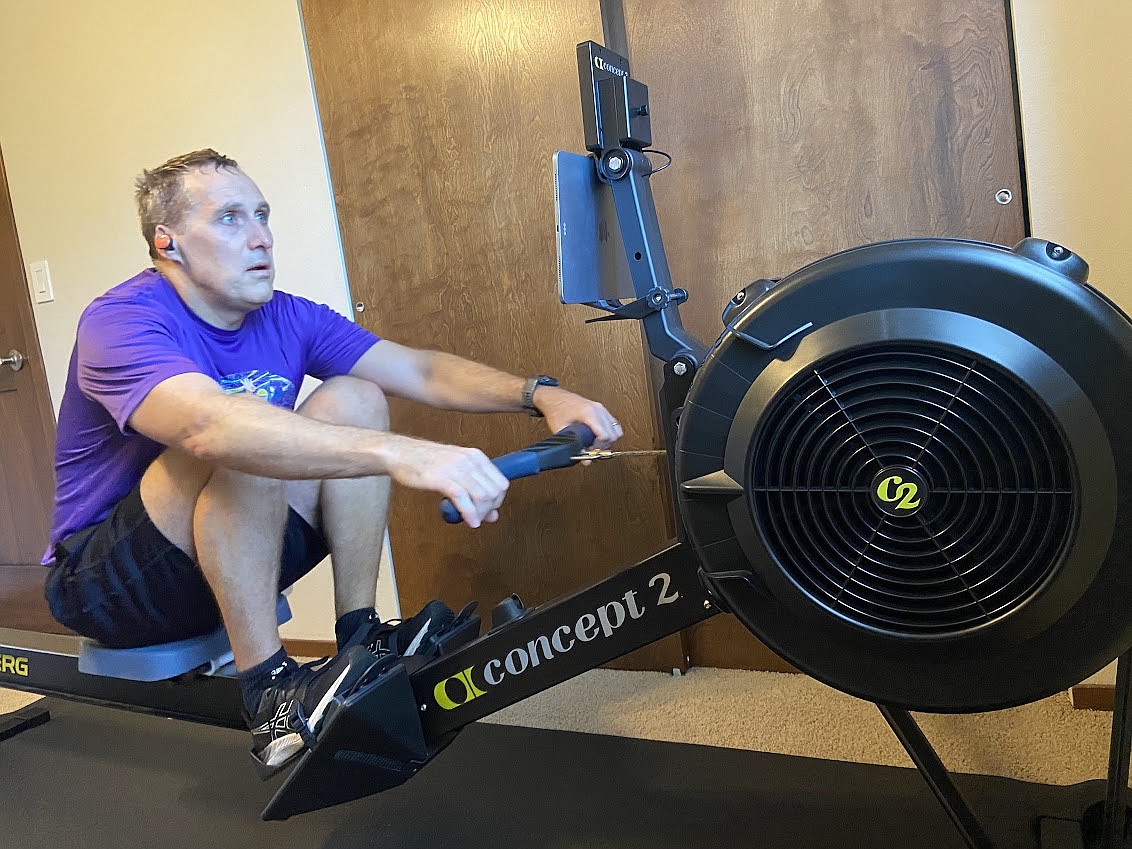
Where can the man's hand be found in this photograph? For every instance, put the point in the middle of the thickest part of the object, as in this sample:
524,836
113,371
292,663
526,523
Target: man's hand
464,475
563,408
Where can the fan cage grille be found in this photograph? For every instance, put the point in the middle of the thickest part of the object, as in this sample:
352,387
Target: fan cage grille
990,531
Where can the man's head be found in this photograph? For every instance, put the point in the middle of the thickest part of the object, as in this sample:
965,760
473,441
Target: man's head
214,219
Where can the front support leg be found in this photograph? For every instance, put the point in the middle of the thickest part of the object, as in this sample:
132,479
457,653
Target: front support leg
935,773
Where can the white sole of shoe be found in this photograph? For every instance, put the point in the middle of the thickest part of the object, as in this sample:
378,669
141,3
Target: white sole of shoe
281,749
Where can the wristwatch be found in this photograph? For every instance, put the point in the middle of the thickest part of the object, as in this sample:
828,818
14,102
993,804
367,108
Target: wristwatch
529,388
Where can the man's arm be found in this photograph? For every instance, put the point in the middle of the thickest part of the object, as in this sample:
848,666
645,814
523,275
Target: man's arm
191,413
453,383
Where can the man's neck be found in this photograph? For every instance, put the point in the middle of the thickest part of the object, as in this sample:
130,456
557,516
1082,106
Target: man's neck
190,295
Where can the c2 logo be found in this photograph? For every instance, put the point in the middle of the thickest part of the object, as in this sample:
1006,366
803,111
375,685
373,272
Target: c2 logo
906,492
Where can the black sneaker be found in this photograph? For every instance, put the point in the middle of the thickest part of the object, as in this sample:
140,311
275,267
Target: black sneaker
291,710
404,637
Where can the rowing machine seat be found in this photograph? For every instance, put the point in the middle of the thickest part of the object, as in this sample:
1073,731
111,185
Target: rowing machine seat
209,653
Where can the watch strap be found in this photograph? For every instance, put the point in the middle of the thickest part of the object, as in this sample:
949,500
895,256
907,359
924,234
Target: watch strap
529,388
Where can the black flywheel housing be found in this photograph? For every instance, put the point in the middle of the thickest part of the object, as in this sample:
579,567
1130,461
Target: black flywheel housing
907,469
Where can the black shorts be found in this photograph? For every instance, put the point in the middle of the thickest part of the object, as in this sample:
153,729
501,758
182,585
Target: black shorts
122,583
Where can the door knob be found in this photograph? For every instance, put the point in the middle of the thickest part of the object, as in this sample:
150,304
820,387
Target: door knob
14,359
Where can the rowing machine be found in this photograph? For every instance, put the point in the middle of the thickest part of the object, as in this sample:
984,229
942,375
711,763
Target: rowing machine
903,467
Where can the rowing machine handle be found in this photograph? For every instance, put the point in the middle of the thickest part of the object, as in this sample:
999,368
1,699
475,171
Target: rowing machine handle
554,452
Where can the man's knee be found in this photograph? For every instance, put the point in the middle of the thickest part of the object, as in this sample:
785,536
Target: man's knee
348,401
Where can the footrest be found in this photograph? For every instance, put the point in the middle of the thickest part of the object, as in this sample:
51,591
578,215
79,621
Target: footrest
369,742
208,653
460,635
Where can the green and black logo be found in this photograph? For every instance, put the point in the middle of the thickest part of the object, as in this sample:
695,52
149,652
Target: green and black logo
899,491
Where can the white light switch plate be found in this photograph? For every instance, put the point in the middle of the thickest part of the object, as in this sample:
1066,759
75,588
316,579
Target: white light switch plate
41,288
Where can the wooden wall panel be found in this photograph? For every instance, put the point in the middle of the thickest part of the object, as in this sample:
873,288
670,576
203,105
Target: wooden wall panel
22,605
804,127
440,119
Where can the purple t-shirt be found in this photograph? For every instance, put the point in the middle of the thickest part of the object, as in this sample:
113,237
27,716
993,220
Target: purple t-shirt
141,333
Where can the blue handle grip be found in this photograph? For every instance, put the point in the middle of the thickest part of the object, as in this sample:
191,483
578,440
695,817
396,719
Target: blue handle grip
557,452
585,435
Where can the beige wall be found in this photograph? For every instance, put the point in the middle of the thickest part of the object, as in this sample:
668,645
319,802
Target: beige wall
93,92
1075,81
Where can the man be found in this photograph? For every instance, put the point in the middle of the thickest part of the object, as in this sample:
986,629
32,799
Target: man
184,499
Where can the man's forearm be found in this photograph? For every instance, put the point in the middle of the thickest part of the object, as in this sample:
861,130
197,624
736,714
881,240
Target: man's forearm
458,384
453,383
244,433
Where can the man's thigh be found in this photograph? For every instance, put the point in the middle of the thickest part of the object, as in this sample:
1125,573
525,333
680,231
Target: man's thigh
124,583
121,582
133,579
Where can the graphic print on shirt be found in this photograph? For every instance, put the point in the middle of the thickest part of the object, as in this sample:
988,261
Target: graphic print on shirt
277,391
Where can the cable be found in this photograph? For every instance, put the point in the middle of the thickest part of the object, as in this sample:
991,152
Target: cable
662,167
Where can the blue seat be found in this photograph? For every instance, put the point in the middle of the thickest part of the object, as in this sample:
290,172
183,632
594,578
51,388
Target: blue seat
210,653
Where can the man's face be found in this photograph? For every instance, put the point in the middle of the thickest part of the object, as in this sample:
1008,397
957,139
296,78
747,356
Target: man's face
224,244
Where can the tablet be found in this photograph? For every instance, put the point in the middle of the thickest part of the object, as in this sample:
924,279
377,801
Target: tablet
591,255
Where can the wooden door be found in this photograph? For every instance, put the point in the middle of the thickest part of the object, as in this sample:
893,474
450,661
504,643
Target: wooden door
798,127
440,119
27,440
804,127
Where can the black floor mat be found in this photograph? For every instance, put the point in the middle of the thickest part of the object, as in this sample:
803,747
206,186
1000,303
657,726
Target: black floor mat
96,777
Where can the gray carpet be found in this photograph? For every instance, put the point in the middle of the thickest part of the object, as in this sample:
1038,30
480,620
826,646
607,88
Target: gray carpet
1047,742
